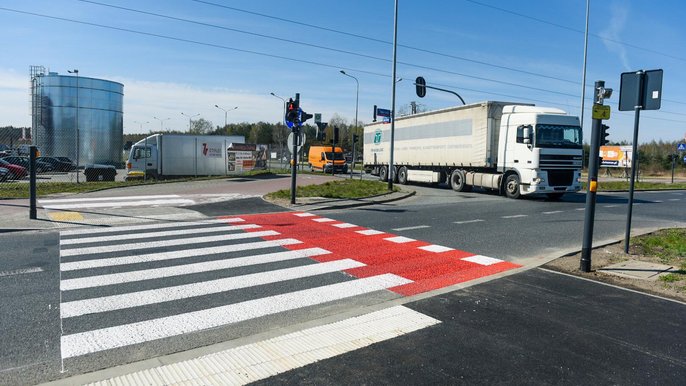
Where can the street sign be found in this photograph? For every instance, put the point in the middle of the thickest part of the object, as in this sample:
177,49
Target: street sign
383,112
640,89
300,138
601,111
681,147
317,117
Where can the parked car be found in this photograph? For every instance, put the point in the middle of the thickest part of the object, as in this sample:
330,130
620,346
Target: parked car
69,161
4,174
57,165
15,171
41,167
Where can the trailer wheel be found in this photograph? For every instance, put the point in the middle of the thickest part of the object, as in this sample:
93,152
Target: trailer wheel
402,175
383,174
457,181
512,186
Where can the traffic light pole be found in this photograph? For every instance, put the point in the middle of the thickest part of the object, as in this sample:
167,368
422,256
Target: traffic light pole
592,186
634,163
294,152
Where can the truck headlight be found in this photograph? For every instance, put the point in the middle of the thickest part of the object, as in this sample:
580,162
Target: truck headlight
538,180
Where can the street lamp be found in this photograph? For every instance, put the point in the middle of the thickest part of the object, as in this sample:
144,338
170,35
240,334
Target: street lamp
161,120
225,112
284,104
141,124
357,94
190,120
76,71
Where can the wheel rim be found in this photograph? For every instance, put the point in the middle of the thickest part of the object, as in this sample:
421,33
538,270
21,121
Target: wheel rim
512,185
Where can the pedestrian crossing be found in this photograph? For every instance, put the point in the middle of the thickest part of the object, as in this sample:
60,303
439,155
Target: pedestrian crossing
147,285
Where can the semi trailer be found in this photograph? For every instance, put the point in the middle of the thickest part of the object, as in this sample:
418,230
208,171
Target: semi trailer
514,148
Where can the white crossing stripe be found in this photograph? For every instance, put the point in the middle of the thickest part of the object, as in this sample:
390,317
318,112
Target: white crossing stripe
399,239
94,231
304,214
436,248
21,271
468,221
97,199
370,232
164,243
178,270
124,335
411,228
141,298
483,260
260,360
323,219
145,235
171,201
344,225
171,255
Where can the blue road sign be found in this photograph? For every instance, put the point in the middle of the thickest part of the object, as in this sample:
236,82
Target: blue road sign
685,159
383,112
681,147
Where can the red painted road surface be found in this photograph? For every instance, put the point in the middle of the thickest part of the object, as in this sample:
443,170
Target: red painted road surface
429,266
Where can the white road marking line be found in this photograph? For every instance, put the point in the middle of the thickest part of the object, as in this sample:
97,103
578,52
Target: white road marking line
658,201
468,221
124,335
436,248
286,352
171,255
399,239
554,212
370,232
186,269
119,198
674,199
176,201
141,298
164,243
21,271
323,219
515,216
344,225
411,228
93,231
580,209
305,214
483,260
610,206
179,232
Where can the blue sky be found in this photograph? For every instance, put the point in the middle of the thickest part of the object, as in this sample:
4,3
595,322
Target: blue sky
208,52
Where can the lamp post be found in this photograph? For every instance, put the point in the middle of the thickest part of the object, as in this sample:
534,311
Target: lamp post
161,120
284,103
357,99
76,71
225,112
190,120
141,124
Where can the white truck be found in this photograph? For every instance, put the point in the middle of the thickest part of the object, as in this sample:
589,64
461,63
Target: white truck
175,155
514,148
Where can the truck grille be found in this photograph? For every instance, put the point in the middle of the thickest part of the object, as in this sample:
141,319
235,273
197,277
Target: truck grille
560,177
555,161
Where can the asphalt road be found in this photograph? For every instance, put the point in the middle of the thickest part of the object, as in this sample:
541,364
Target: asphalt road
527,327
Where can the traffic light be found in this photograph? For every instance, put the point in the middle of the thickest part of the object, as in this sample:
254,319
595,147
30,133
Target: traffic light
335,134
604,134
421,86
304,116
321,134
355,138
292,110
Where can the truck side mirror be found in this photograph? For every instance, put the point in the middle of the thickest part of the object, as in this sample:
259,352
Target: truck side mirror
526,134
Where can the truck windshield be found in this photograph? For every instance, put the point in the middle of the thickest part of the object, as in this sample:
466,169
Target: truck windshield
330,156
558,136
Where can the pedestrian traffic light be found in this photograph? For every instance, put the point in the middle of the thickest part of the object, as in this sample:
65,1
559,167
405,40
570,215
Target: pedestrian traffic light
292,110
604,134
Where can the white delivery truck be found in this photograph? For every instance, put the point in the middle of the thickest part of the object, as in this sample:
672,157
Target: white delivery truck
514,148
176,155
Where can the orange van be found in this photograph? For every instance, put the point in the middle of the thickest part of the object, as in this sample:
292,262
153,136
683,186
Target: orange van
323,158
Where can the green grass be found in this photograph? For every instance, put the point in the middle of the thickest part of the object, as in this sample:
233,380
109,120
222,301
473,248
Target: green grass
669,245
624,185
345,189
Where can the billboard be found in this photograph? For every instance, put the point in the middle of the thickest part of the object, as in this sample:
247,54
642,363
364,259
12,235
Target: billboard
615,156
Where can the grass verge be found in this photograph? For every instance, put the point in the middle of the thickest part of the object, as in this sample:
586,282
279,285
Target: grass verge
344,189
624,185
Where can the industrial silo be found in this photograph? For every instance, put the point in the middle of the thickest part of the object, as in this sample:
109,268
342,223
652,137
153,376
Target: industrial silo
77,117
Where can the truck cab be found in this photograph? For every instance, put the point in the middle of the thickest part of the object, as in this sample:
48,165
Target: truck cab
540,151
143,159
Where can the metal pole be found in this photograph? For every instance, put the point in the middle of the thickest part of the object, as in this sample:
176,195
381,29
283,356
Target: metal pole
583,76
673,164
296,132
591,188
395,55
634,162
32,183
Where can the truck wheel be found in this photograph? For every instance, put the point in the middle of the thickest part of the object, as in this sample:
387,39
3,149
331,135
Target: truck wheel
512,186
402,175
383,174
457,181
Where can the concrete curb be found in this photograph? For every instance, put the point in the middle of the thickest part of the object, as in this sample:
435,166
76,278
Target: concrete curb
307,204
